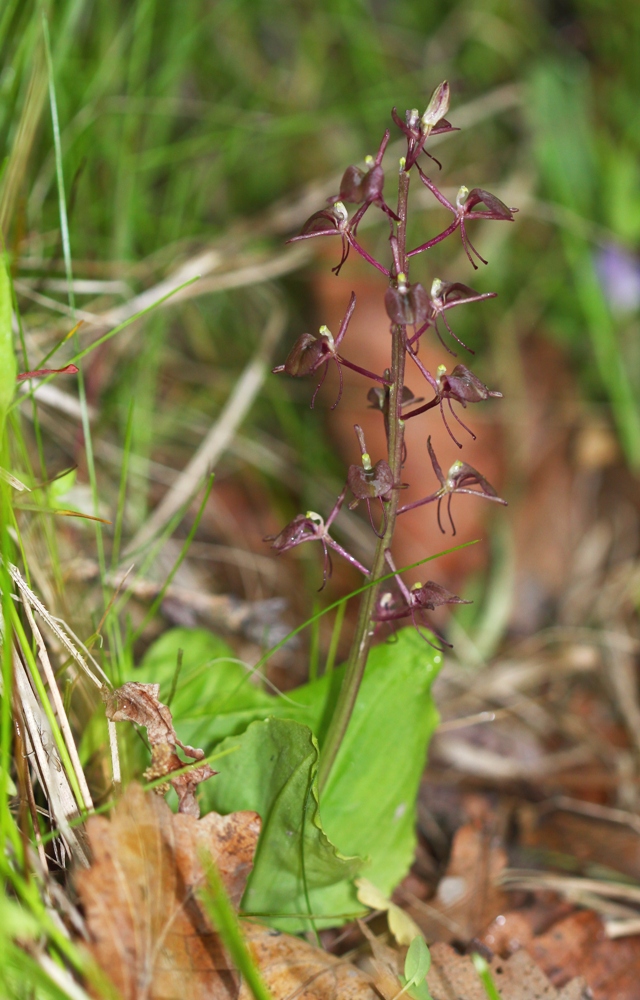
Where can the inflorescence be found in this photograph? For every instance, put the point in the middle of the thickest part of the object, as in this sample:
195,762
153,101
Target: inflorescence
412,311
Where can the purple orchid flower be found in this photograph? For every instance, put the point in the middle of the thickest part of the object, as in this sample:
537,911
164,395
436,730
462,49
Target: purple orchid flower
370,482
365,187
334,221
461,478
463,387
312,527
463,211
310,353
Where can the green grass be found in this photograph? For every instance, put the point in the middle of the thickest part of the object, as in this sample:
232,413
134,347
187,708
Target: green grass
136,135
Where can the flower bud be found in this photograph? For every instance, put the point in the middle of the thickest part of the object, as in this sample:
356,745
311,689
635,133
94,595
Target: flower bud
437,107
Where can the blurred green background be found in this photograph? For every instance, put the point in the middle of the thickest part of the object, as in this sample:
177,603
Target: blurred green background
183,123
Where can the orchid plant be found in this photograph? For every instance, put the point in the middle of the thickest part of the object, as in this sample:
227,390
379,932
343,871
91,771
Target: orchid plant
412,311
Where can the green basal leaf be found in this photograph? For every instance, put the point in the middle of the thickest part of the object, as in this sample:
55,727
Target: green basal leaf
214,697
8,364
369,803
368,806
297,870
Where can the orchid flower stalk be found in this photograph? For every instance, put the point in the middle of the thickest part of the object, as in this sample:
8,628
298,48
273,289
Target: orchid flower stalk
412,311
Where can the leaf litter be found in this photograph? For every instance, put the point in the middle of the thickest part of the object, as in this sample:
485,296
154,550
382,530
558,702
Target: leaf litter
150,933
138,703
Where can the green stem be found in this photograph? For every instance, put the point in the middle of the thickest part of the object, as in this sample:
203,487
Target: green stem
364,631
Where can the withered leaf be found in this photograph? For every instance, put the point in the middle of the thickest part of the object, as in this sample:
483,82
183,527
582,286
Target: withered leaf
292,968
149,932
139,703
467,897
453,977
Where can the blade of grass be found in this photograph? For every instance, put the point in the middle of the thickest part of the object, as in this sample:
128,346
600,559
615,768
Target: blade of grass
354,593
335,637
79,355
176,566
66,250
223,916
330,607
314,645
122,492
484,974
65,759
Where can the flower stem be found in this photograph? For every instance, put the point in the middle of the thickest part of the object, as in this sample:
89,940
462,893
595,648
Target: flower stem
364,629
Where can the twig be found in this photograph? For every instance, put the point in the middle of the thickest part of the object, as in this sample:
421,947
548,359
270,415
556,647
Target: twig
592,809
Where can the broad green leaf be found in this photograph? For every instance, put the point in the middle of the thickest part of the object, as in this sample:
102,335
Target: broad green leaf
8,364
420,991
297,869
214,696
369,802
368,806
417,962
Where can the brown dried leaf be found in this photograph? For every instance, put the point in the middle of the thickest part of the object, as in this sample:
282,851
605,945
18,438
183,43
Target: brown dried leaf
467,896
578,943
139,703
386,964
295,970
453,977
149,931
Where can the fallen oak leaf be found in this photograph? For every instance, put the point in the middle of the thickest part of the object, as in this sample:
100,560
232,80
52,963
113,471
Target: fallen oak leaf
148,930
139,703
453,976
296,970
